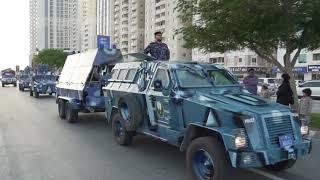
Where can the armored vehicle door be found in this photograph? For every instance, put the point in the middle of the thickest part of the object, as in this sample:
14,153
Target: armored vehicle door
159,102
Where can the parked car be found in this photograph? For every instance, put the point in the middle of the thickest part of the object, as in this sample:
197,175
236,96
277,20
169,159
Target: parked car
202,109
314,85
79,88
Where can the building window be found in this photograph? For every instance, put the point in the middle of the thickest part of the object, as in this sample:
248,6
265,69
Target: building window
254,60
316,57
240,60
302,58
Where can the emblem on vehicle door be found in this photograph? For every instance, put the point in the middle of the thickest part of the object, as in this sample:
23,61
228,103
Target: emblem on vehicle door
159,109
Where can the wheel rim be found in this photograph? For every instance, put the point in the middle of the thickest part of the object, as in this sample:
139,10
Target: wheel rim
118,129
124,109
203,164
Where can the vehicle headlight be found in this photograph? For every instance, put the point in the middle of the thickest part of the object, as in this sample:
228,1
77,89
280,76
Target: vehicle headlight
240,142
240,138
304,130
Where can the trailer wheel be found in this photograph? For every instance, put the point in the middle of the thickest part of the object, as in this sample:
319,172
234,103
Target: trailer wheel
62,108
36,94
120,134
71,114
31,93
206,159
131,111
2,85
281,166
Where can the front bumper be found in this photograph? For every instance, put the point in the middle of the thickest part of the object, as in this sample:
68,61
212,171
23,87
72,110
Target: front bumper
46,89
254,159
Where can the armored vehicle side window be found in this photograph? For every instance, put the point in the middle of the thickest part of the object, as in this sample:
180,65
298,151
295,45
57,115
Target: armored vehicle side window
189,79
221,78
115,74
123,74
162,75
131,74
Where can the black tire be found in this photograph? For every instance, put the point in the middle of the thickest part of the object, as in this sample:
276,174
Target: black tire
281,166
62,108
119,132
131,111
215,165
71,114
31,93
36,94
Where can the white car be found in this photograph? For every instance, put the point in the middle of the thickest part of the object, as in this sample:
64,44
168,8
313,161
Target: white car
314,85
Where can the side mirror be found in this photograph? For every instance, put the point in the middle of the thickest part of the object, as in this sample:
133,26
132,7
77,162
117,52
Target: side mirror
157,84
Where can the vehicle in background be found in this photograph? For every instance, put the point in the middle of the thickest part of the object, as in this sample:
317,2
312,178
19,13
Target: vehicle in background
314,85
79,88
43,81
202,109
25,79
8,76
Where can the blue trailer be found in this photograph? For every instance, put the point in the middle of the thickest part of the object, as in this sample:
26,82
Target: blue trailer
79,88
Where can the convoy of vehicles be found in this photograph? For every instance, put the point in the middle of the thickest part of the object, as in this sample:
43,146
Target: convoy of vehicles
8,76
43,81
199,108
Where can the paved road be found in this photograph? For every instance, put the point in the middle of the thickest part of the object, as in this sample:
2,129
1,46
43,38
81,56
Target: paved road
316,106
36,145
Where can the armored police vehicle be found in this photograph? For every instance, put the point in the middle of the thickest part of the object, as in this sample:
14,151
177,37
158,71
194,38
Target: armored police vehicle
202,109
79,88
8,77
43,81
25,79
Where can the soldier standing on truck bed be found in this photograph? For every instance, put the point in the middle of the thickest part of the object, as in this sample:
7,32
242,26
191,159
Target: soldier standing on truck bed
158,49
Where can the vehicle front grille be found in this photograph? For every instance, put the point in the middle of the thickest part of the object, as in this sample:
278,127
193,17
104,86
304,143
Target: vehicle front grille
277,126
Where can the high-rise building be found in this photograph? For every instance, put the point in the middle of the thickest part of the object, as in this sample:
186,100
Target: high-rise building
52,25
160,15
103,17
88,23
127,23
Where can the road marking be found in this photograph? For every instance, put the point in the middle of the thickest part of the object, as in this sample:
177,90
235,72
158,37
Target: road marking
266,174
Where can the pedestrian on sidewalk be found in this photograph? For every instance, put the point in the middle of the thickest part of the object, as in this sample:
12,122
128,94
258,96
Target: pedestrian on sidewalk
265,93
158,49
285,93
251,82
305,106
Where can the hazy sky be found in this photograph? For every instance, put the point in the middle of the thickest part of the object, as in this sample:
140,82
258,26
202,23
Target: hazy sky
14,33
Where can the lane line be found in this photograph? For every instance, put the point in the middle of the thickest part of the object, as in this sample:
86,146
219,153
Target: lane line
266,174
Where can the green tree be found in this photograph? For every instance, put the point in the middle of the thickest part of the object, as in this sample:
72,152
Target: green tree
55,58
260,25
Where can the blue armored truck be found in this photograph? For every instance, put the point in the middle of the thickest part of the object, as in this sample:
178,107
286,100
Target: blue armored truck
25,79
79,88
203,110
43,81
8,77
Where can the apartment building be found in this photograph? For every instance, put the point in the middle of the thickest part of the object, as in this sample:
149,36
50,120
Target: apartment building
88,24
52,25
160,15
238,62
103,16
126,26
307,66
